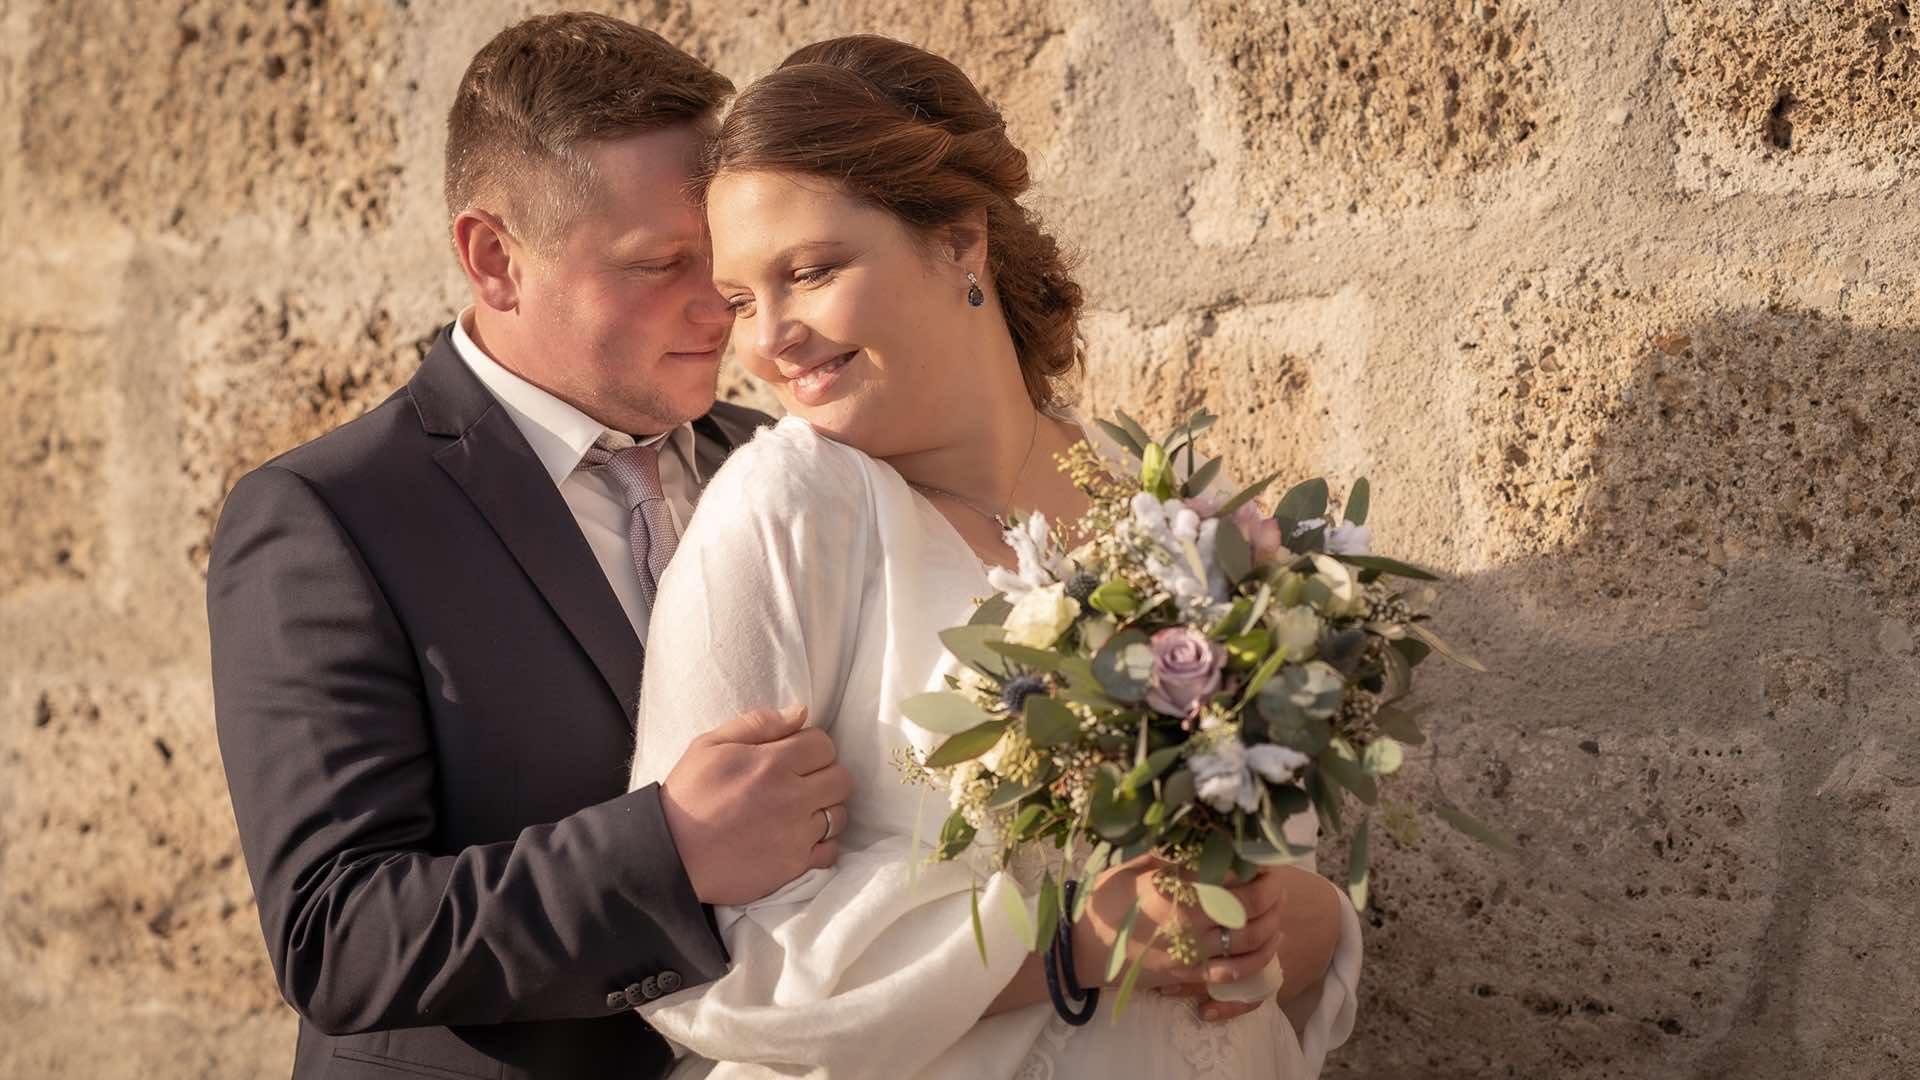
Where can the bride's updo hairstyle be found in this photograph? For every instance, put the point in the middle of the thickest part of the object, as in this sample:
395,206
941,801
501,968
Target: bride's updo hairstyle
907,131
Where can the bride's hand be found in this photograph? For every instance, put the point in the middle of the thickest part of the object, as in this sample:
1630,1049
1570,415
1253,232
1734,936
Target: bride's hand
1159,921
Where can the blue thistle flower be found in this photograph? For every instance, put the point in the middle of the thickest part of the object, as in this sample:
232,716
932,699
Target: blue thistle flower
1080,586
1015,693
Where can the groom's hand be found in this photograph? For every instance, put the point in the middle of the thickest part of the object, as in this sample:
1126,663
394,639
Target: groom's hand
744,804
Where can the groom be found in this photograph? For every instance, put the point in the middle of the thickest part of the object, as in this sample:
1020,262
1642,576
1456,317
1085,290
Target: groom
428,626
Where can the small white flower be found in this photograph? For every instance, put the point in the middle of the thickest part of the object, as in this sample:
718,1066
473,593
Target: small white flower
1041,616
1278,764
1344,539
1307,525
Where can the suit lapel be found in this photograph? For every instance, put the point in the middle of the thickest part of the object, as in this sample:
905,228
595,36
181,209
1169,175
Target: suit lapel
500,473
504,479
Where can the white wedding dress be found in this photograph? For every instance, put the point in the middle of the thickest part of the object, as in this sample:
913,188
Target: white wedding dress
813,573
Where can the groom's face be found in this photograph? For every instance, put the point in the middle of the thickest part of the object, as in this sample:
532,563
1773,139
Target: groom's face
621,316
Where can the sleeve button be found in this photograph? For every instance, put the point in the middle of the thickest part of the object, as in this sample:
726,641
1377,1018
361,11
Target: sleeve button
650,987
670,981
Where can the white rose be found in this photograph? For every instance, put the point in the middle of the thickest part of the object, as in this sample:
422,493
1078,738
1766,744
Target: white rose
1041,616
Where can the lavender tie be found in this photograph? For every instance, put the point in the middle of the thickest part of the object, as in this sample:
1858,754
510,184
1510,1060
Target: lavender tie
635,472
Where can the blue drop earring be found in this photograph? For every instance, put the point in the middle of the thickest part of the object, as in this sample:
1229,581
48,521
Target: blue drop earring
974,296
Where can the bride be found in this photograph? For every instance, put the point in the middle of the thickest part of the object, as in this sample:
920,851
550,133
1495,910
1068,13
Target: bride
920,330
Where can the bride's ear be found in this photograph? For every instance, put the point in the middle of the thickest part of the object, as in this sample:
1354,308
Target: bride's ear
964,242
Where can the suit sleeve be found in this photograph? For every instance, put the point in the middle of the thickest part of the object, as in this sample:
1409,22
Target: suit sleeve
324,735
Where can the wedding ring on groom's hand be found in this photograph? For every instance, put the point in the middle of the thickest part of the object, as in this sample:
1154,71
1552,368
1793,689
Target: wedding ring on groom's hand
1226,942
827,833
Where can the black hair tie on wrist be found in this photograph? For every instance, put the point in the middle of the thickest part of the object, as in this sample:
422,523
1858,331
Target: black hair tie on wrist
1059,966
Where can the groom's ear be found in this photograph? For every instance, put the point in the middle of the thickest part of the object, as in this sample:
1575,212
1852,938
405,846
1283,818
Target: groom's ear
487,253
964,241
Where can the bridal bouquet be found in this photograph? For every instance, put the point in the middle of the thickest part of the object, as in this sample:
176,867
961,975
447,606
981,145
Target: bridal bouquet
1191,674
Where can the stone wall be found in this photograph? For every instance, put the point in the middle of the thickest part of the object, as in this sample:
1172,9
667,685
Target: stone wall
1615,302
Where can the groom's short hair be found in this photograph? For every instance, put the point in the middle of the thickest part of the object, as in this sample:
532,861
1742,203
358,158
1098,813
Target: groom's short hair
541,89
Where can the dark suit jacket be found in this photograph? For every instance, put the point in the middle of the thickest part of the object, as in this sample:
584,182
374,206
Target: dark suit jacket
424,688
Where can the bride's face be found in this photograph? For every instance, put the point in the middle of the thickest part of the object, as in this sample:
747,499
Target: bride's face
857,327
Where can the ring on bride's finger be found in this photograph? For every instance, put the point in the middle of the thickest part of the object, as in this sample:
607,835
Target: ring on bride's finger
1226,942
826,833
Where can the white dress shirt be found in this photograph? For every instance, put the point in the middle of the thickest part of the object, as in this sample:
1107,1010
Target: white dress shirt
560,435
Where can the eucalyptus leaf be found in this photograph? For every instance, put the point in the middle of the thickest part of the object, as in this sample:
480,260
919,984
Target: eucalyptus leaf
944,713
1010,792
1146,771
1125,993
967,745
1124,666
1049,723
1357,868
1400,724
1246,495
1303,501
1180,788
1133,428
955,835
1216,858
1231,552
1446,650
1475,828
1338,765
1026,655
1122,436
1396,676
1118,958
1388,566
979,931
1413,649
1258,683
1016,906
993,611
1078,671
1046,912
1220,905
1326,801
1112,814
1292,728
968,644
1026,820
1201,478
1357,502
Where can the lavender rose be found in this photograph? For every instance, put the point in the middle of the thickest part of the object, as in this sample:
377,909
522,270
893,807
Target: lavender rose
1186,670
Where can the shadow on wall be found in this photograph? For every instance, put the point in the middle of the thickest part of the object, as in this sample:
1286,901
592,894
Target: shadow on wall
1702,721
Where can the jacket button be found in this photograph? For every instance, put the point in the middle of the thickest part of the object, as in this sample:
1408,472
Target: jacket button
670,981
635,994
650,987
617,1000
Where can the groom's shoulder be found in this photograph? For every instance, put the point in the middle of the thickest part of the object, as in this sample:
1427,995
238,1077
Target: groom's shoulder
379,443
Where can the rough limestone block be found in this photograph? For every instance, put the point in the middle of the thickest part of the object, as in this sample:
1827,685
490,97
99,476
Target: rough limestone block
274,373
52,453
177,117
1782,97
1341,107
1658,439
121,863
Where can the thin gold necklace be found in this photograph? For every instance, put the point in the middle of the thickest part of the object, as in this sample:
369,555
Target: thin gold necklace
1000,518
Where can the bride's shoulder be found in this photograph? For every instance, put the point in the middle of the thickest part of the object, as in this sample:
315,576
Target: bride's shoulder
790,470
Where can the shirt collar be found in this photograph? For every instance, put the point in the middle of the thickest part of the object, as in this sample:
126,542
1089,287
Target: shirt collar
559,433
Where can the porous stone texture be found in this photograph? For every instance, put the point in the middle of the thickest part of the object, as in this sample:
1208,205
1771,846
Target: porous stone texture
1614,304
1787,96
